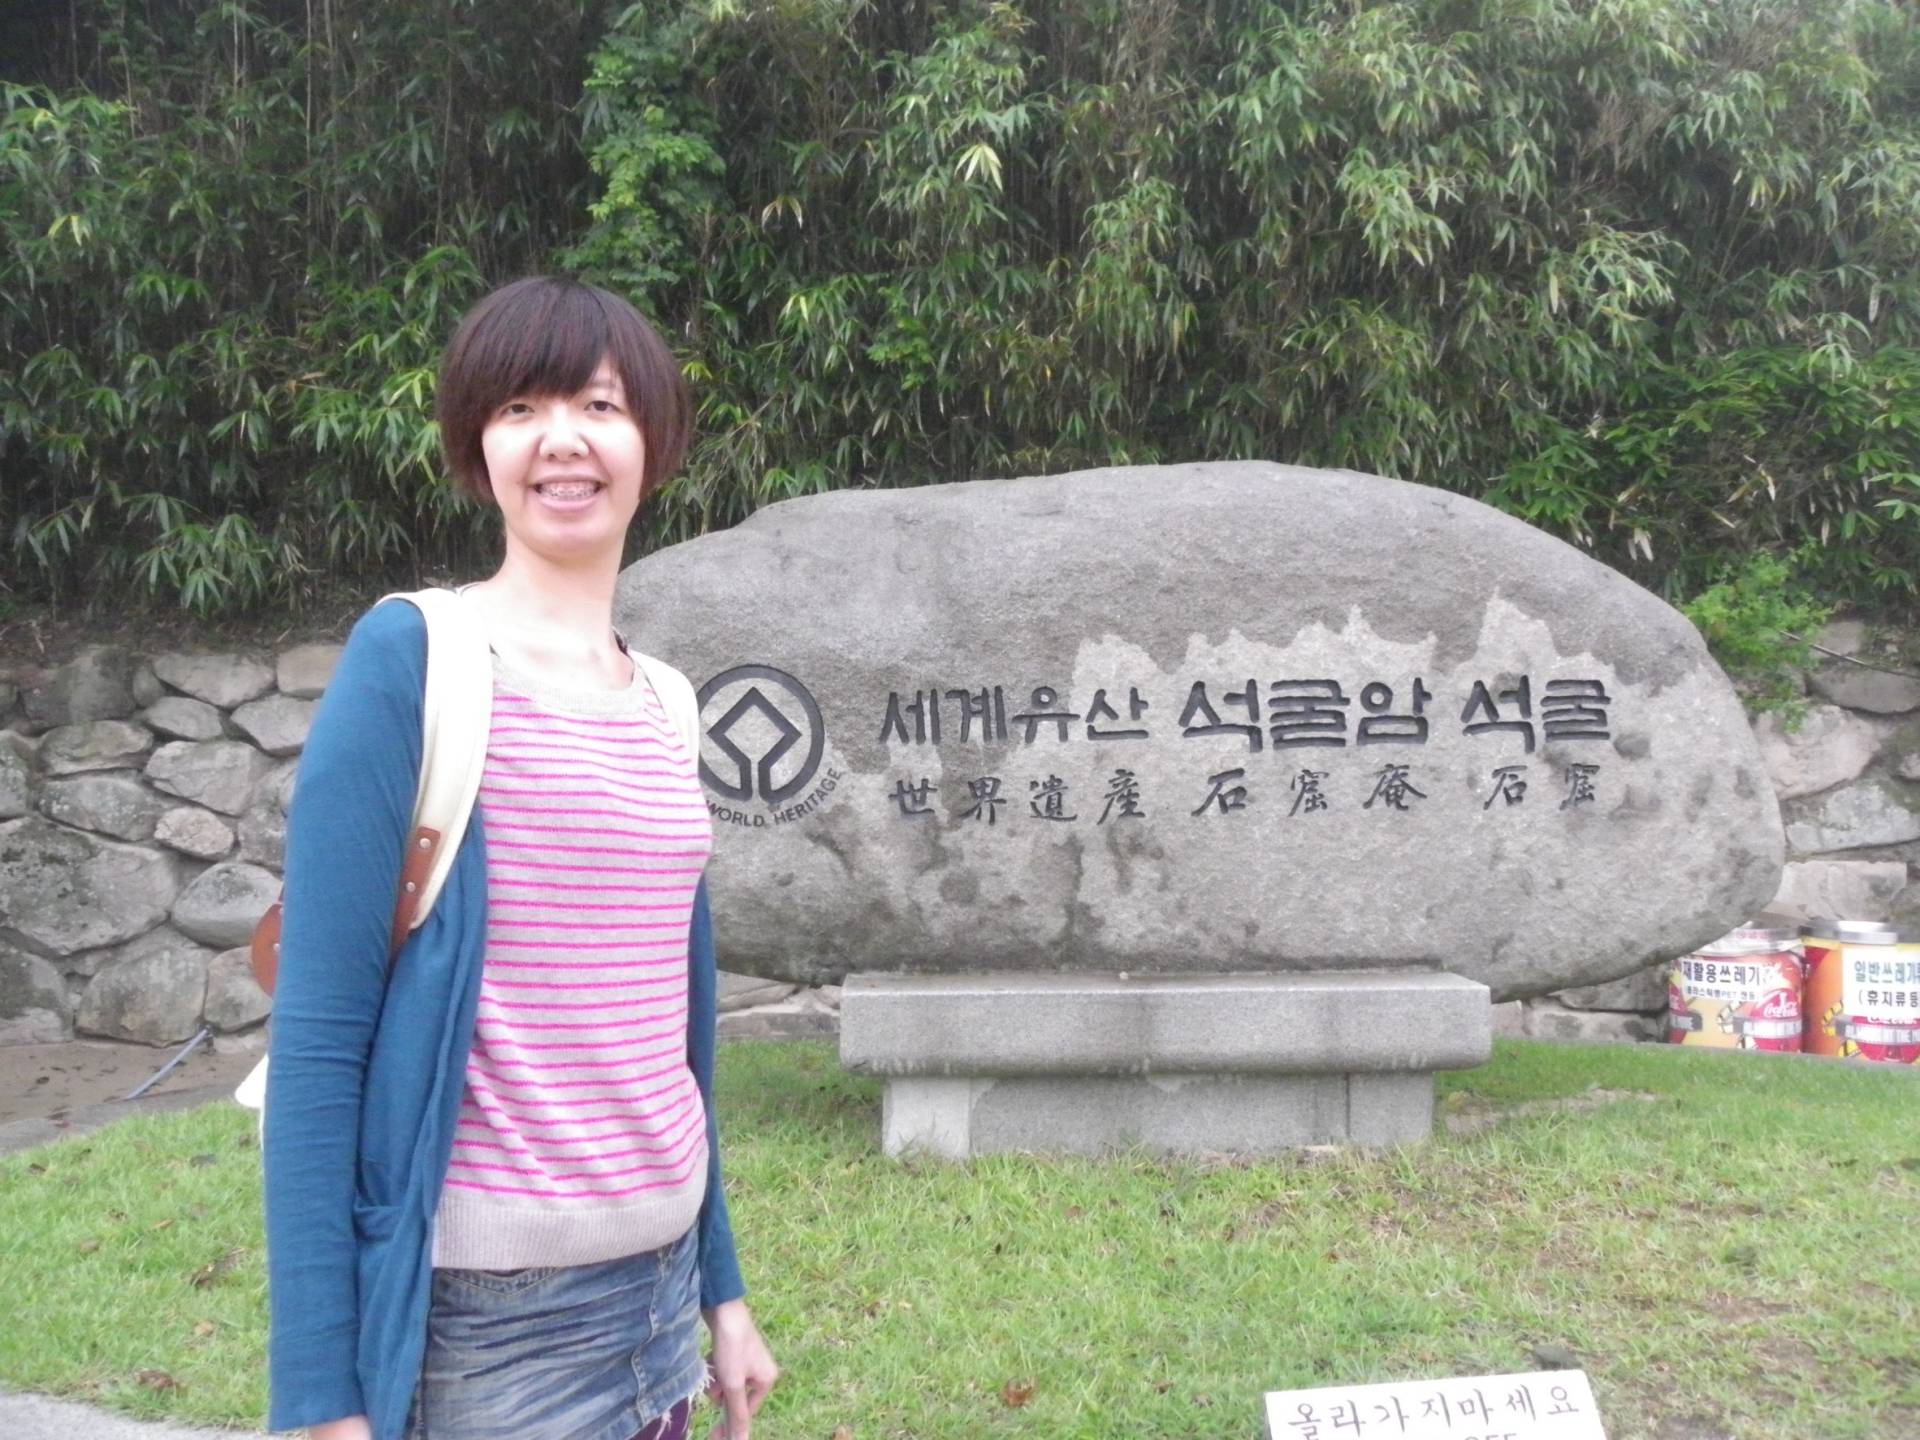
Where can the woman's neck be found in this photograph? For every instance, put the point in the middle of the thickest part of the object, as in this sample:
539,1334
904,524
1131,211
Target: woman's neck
555,621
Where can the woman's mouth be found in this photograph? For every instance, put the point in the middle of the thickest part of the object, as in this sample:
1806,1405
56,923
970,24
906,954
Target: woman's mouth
568,489
568,497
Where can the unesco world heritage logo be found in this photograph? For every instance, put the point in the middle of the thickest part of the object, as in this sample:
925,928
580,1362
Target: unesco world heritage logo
763,747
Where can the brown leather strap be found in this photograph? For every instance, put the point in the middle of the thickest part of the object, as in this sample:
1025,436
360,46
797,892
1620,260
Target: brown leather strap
415,866
265,948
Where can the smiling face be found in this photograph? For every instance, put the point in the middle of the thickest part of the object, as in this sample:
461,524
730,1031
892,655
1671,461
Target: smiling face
548,380
567,470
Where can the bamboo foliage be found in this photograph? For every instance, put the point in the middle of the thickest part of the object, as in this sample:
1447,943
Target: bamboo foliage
1640,271
236,238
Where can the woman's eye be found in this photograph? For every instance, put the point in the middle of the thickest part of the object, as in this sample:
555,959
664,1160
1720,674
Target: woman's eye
602,407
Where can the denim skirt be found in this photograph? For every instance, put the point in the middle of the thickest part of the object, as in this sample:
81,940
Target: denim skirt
573,1352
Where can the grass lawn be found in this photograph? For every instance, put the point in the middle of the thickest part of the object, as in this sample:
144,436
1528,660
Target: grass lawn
1729,1244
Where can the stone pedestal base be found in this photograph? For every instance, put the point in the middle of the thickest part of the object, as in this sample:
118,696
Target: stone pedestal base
1186,1064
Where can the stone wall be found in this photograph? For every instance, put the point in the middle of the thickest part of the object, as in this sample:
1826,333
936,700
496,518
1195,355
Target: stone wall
143,803
142,816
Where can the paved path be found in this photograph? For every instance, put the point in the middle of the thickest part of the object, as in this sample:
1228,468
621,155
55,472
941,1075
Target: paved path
35,1417
34,1130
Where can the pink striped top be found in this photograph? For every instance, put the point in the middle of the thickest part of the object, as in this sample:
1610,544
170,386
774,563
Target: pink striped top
582,1136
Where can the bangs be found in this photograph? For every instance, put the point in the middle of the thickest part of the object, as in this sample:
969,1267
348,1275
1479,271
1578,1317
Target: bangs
543,341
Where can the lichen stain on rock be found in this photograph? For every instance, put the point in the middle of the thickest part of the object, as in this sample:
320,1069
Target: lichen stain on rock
960,887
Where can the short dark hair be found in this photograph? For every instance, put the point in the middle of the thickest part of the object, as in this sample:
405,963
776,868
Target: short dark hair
546,335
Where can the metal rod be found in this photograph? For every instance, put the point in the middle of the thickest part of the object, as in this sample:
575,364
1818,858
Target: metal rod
1851,660
160,1074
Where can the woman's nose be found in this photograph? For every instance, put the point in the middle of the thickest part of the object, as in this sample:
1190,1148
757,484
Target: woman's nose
561,433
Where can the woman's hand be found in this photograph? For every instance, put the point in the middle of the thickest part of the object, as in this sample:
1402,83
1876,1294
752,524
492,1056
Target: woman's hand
354,1427
742,1369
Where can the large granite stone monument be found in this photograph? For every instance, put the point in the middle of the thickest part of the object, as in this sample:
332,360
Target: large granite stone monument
1182,804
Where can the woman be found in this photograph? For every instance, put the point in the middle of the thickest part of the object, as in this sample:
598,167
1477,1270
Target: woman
493,1189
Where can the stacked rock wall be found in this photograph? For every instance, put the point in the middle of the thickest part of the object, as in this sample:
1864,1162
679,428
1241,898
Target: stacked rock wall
1848,781
142,818
143,803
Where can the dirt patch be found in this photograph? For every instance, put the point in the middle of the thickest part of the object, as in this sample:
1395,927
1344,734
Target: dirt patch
1689,1427
1743,1309
48,1091
1274,1212
1465,1114
1785,1354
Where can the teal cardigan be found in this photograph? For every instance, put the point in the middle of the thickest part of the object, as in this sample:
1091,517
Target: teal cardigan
368,1069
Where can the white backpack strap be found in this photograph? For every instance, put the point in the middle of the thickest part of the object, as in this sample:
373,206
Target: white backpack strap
456,720
676,694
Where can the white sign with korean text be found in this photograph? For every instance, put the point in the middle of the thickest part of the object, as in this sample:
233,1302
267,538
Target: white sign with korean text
1546,1405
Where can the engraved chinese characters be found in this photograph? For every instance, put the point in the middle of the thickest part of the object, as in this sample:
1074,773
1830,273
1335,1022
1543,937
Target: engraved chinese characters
1298,714
1200,718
